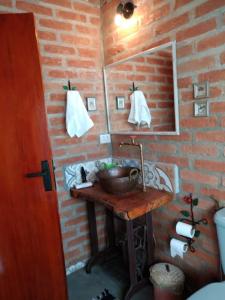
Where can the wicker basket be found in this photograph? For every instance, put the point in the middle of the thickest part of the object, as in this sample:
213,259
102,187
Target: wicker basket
168,281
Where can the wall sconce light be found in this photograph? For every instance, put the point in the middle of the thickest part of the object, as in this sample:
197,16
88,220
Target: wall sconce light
124,9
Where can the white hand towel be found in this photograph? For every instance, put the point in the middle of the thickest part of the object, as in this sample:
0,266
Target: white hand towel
139,113
78,121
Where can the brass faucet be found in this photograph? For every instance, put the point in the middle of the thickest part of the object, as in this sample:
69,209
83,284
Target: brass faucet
140,146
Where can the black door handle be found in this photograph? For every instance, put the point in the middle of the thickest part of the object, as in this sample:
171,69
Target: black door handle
36,174
45,174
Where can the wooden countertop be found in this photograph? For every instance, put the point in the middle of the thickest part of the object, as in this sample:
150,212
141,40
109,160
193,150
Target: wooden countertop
127,206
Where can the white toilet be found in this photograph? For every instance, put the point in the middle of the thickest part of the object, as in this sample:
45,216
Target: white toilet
215,291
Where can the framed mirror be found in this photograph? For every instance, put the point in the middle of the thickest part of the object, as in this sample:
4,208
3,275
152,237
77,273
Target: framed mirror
147,83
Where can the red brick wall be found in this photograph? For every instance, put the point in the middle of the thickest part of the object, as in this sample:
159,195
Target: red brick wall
199,28
152,74
70,48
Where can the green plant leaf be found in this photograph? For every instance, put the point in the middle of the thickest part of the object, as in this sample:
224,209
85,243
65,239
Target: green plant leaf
135,89
197,233
195,201
65,87
185,213
73,88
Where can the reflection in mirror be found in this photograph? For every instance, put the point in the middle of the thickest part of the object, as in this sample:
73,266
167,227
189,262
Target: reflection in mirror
148,84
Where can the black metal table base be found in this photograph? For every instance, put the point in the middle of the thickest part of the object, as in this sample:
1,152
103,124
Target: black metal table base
137,282
133,289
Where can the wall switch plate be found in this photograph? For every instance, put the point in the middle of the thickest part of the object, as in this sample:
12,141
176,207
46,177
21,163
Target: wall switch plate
105,138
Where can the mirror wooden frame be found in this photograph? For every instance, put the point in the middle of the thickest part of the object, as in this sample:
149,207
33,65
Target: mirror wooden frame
175,90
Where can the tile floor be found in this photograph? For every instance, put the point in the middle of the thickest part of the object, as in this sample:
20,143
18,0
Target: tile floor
83,286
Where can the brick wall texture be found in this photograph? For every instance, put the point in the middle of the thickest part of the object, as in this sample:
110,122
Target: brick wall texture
152,73
199,29
73,37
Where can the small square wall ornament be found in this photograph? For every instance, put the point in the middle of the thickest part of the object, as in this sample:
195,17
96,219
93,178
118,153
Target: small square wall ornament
120,102
201,109
201,90
91,103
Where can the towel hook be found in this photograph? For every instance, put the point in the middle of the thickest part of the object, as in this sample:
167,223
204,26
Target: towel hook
68,87
134,88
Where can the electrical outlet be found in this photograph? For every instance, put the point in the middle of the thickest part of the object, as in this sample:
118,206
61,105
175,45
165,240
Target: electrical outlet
105,138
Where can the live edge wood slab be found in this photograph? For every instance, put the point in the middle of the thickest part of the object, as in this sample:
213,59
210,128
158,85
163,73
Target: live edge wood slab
127,206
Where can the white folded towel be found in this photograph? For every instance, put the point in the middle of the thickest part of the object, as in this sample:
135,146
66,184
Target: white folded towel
78,121
139,113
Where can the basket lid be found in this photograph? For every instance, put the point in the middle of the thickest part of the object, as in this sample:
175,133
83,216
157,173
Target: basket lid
166,275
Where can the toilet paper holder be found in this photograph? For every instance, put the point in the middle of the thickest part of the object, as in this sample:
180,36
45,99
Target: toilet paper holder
190,219
190,241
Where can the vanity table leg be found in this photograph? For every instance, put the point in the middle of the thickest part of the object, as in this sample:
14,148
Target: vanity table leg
131,258
93,234
131,252
150,241
110,228
135,283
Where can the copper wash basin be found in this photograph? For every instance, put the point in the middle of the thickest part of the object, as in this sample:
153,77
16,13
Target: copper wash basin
118,180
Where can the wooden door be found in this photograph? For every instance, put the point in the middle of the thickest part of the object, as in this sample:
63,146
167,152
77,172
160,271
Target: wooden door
31,255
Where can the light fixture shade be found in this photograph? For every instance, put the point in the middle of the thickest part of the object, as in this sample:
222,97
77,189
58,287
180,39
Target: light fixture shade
126,9
119,9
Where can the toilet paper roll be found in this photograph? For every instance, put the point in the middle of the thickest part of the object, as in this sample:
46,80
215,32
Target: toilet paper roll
178,247
185,229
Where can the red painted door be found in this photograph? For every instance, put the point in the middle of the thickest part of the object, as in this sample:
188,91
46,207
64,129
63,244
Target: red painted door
31,255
